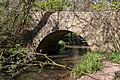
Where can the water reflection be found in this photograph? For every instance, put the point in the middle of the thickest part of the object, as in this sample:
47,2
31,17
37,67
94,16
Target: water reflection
70,45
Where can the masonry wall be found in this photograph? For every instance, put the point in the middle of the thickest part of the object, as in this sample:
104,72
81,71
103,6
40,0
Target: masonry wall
100,29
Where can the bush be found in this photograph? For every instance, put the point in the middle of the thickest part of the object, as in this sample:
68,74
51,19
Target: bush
88,63
12,60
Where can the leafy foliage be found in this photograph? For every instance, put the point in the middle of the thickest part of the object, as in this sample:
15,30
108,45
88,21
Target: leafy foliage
106,6
89,63
12,59
61,43
14,19
98,6
52,5
115,5
70,38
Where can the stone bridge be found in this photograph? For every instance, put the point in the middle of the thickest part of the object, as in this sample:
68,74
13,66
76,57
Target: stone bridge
101,31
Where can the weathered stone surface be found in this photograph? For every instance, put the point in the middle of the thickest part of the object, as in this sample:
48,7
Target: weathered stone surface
100,30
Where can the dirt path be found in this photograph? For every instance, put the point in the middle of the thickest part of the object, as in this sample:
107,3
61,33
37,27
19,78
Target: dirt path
106,73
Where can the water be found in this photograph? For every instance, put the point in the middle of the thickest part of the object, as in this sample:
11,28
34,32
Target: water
72,56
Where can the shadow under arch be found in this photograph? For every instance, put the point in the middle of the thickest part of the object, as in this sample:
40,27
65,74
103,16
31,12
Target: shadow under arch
49,44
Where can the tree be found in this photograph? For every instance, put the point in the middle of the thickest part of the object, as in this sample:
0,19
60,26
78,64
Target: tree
48,7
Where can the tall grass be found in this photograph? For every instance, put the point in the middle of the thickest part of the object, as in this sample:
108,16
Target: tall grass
114,57
89,63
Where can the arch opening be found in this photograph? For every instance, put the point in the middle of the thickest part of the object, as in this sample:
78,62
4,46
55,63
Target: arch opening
63,42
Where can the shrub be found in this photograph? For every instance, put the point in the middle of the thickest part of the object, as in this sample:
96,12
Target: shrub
89,63
12,60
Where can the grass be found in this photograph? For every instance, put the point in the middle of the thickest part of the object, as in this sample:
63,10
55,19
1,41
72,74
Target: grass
89,63
114,57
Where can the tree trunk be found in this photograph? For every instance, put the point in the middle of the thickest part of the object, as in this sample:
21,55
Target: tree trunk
30,35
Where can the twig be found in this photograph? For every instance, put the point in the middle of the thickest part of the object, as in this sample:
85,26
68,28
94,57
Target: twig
52,62
18,72
78,17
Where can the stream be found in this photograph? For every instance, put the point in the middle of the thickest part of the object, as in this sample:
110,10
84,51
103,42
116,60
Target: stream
70,58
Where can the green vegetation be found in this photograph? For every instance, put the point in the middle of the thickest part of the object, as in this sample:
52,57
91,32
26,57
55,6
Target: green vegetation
114,5
98,6
106,6
52,5
61,43
89,63
16,17
12,60
114,57
70,38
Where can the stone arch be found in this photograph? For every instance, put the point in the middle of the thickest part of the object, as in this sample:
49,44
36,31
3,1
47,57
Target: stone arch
84,24
49,43
67,22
